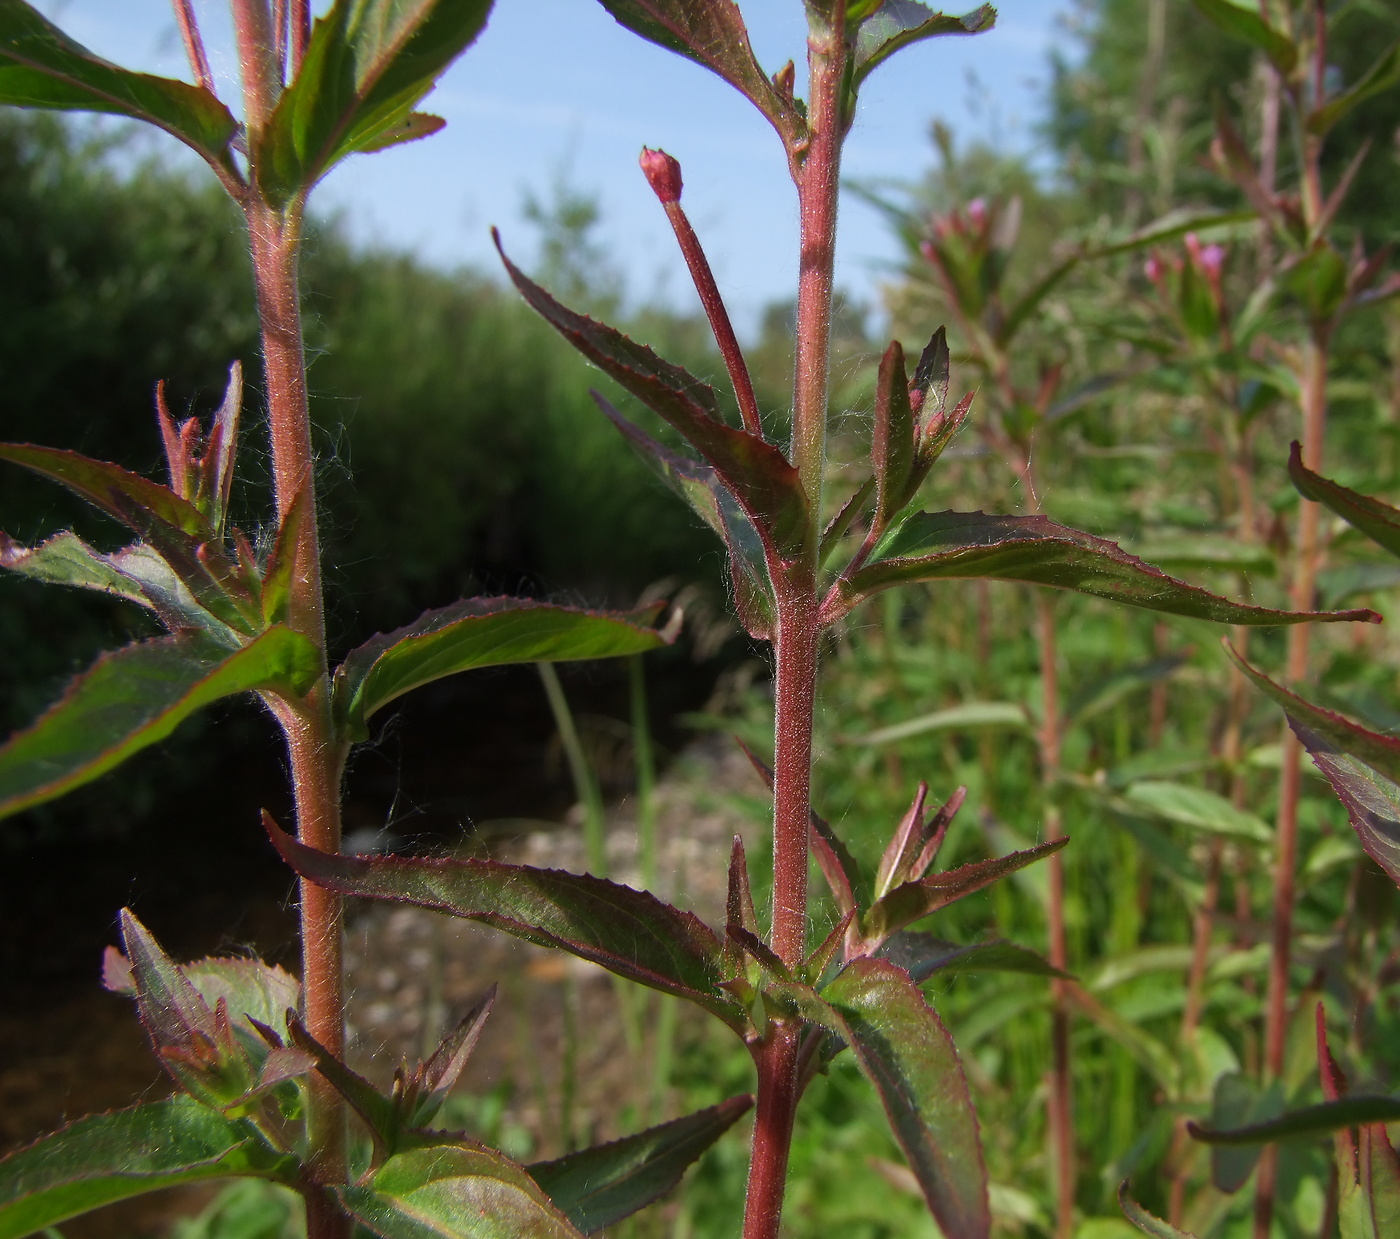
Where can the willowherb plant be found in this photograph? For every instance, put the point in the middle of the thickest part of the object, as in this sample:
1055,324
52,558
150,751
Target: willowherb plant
259,1058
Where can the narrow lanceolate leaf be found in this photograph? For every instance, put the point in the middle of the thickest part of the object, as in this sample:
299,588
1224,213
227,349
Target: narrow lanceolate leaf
462,1191
922,955
1319,1120
132,698
173,1011
41,67
1372,801
1382,75
1144,1221
631,933
892,443
1198,808
765,485
968,716
1244,22
477,632
897,23
65,559
942,545
906,1052
914,900
1378,521
110,1157
599,1186
712,34
367,65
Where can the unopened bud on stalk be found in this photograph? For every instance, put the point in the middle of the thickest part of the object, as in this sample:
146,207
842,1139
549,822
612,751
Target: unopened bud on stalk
663,174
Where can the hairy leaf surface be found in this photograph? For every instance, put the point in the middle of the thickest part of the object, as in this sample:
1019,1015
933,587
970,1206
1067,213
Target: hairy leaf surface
897,23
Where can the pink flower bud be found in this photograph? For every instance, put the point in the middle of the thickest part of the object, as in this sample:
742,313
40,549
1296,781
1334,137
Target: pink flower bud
1153,269
1211,260
663,174
977,213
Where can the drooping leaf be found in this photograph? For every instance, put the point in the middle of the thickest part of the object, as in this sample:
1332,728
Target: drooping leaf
367,65
712,34
109,1157
477,632
949,545
968,716
1378,521
1198,808
459,1191
631,933
1242,19
1318,1120
1382,75
1146,1222
135,697
897,23
1372,801
599,1186
759,476
906,1052
912,901
922,955
41,67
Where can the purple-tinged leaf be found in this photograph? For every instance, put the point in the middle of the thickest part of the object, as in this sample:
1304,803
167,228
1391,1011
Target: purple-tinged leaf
897,23
1372,801
596,1187
631,933
906,1052
915,900
1146,1222
699,485
104,1158
933,546
1318,1120
376,1110
713,34
135,697
1378,521
442,1070
454,1191
739,909
275,581
892,447
815,965
65,559
759,476
478,632
172,1009
922,955
839,524
201,466
41,67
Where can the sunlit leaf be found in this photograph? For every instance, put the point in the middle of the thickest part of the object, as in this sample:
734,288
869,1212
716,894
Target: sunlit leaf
41,67
65,559
477,632
1383,74
897,23
949,545
1146,1222
906,1052
134,697
892,442
109,1157
1198,808
1241,18
922,955
969,716
455,1192
596,1187
762,481
1378,521
629,932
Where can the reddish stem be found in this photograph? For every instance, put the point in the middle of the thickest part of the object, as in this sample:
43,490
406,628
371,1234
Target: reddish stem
772,1131
194,44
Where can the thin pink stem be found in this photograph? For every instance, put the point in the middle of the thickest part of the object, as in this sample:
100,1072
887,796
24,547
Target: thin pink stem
300,32
194,44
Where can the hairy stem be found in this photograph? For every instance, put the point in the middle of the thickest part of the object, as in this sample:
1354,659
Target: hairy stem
772,1131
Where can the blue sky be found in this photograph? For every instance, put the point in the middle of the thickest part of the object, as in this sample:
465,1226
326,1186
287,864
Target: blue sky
555,88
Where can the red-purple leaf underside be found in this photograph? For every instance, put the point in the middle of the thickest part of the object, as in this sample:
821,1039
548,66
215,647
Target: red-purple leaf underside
756,472
1372,801
949,545
131,698
629,932
905,1050
1378,521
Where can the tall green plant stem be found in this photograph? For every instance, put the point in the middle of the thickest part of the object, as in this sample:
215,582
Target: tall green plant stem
817,174
1313,376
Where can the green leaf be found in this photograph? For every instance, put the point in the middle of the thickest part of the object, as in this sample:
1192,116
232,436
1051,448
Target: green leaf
932,546
1198,808
968,716
1378,521
765,485
897,23
41,67
629,932
922,955
599,1186
368,63
1205,553
1094,696
1145,1221
476,632
1237,1100
109,1157
1241,18
892,445
65,559
455,1192
1305,1124
134,697
906,1052
1381,76
712,34
1169,227
1319,281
